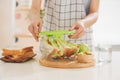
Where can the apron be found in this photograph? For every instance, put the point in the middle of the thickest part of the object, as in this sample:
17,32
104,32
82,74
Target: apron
62,14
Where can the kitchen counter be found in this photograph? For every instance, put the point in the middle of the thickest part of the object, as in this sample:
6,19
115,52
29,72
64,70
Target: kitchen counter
32,70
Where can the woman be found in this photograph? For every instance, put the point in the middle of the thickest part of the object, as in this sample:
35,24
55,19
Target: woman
65,14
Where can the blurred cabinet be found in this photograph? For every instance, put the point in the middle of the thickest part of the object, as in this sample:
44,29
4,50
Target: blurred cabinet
22,34
21,18
7,12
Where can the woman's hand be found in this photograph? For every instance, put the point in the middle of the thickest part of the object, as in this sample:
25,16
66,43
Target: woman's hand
80,30
35,26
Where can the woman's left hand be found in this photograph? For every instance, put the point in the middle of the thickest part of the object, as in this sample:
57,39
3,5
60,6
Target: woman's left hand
80,30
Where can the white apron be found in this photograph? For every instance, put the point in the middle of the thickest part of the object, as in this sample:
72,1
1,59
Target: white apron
62,14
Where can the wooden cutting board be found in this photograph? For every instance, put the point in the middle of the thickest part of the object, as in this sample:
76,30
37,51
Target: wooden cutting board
65,64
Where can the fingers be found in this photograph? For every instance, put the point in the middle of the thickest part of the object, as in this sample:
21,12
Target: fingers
80,31
72,28
78,35
35,27
77,28
40,27
34,31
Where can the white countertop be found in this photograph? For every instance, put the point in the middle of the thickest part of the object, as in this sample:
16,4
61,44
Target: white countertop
32,70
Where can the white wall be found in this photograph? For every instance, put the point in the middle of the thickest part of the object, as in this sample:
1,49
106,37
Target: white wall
107,28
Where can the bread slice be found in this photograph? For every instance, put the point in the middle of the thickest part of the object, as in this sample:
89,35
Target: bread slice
18,56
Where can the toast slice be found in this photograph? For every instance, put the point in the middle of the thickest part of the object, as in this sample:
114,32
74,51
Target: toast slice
18,56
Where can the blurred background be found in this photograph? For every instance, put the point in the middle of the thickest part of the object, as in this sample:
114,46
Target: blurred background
14,23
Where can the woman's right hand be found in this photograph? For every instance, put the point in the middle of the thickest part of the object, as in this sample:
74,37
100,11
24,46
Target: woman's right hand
36,25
